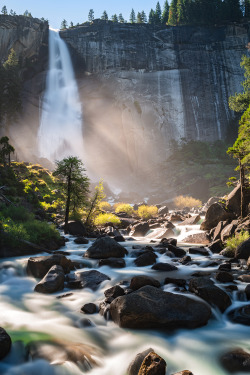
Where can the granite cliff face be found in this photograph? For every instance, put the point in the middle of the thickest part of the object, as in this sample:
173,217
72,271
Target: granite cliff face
143,86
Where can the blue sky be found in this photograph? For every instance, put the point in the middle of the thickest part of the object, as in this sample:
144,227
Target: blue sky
77,10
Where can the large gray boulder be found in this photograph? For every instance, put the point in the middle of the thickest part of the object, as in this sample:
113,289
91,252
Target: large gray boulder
105,247
140,229
216,213
52,282
86,279
39,266
150,307
205,289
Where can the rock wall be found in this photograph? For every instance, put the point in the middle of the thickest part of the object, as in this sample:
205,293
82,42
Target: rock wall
143,86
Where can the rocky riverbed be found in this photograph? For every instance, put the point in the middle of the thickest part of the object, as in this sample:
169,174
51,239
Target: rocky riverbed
80,310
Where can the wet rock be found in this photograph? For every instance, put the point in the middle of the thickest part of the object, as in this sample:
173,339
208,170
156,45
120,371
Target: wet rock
153,364
52,282
175,217
225,266
184,372
197,238
135,365
119,238
76,228
205,289
198,250
218,229
166,241
105,247
87,279
163,210
191,220
171,280
161,233
104,308
140,229
138,282
114,292
185,260
39,266
236,360
224,277
243,250
164,267
228,252
215,213
150,307
65,295
81,241
228,231
146,259
112,262
216,246
247,291
244,278
5,343
89,308
240,315
177,251
233,200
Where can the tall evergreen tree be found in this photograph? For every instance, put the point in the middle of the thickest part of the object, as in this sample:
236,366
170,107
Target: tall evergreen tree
182,12
120,18
132,16
158,14
91,15
105,16
139,18
4,10
172,19
114,18
246,8
64,24
143,16
151,17
165,13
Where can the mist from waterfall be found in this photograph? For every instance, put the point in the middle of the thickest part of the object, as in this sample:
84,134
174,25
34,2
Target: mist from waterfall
60,132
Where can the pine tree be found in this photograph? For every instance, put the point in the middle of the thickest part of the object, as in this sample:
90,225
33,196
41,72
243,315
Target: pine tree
71,24
132,16
151,17
182,12
139,18
158,14
5,151
114,18
165,13
105,16
12,12
172,19
4,10
120,18
64,25
246,8
143,16
91,15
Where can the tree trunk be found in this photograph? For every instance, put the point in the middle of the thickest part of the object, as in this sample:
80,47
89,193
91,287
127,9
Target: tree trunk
67,204
242,190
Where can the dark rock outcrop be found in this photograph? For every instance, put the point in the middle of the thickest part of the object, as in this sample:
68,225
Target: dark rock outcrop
52,282
215,213
86,279
243,250
139,281
135,365
140,229
150,307
105,247
5,343
236,360
153,364
39,266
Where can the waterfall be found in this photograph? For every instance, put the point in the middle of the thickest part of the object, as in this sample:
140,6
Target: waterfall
60,132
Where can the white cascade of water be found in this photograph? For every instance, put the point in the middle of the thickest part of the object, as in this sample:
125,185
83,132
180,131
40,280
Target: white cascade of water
60,132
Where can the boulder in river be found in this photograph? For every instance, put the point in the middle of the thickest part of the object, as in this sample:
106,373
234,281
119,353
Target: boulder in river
112,262
150,307
81,240
205,289
224,277
89,308
191,220
139,281
140,229
86,279
153,364
164,267
76,228
240,315
146,259
52,282
5,343
243,250
105,247
237,360
135,365
39,266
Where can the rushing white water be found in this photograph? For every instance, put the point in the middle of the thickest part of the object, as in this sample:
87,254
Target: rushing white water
60,132
29,316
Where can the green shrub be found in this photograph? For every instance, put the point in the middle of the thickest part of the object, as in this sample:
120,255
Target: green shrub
107,218
147,212
182,202
105,206
38,231
233,242
17,213
124,207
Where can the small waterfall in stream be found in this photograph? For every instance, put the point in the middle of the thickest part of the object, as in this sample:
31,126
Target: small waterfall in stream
60,132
